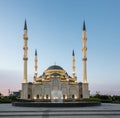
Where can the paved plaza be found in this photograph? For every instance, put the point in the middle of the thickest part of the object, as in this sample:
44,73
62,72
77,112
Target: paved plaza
103,111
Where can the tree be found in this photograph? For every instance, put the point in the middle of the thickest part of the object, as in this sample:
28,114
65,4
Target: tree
1,94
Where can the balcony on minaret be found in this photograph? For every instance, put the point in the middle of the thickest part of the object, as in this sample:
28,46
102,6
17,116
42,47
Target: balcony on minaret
84,49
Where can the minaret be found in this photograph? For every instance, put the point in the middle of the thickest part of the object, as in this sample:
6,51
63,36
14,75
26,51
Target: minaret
84,56
25,49
73,64
85,90
36,64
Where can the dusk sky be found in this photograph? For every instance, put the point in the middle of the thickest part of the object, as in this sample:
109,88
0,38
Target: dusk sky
55,29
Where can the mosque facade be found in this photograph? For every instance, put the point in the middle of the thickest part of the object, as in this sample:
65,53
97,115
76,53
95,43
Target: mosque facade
55,80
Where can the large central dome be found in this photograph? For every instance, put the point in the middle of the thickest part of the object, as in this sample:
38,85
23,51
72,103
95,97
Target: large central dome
56,67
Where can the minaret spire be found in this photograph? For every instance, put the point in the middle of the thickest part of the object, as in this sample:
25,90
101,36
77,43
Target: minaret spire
36,64
84,28
73,64
35,52
25,25
73,54
25,49
84,56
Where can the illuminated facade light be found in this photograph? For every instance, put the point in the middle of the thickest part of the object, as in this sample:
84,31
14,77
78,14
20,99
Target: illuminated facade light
66,97
75,97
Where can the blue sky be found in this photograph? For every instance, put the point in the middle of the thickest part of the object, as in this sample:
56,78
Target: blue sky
55,29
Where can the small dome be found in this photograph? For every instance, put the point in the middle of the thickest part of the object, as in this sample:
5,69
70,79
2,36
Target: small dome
55,67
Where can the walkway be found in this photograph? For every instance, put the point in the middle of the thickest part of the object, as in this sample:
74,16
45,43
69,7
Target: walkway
104,111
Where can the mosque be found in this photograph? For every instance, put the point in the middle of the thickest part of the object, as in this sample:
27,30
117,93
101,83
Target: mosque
54,80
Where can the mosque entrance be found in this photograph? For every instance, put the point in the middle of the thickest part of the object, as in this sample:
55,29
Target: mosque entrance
56,96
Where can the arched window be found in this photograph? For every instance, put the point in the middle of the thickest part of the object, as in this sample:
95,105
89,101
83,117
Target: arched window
73,96
37,96
55,82
63,96
46,96
29,96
